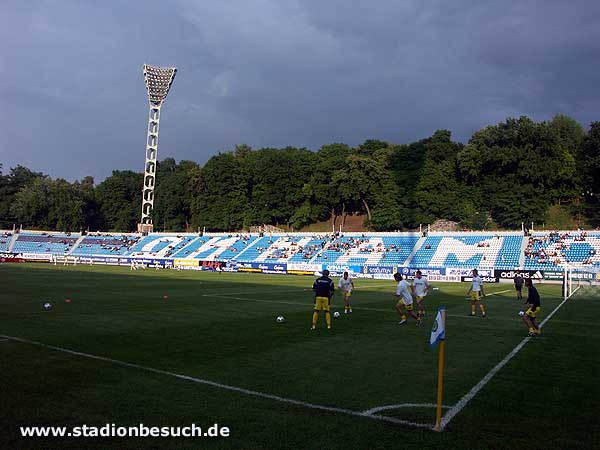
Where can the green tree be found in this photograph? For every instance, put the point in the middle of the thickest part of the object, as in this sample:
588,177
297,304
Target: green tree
589,167
10,185
92,216
406,167
370,146
50,205
388,208
320,193
172,204
439,193
120,200
278,178
519,158
358,180
221,193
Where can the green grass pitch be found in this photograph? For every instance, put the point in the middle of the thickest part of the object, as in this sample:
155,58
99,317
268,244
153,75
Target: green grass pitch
221,328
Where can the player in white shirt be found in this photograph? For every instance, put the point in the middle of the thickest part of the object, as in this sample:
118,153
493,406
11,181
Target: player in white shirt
419,288
346,285
477,293
405,300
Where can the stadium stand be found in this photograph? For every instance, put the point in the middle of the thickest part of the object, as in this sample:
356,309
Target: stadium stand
424,254
105,244
309,247
194,244
211,248
551,250
54,243
5,238
468,251
282,249
502,250
163,246
365,249
232,251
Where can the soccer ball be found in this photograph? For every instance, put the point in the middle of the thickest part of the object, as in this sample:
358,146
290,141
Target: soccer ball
336,314
47,306
521,313
280,319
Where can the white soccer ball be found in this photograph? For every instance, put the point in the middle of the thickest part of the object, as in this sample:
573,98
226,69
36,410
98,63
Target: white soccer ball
47,306
521,313
280,319
336,314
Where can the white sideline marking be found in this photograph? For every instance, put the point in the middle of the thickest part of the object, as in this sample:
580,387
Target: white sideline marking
256,300
402,405
255,292
285,290
306,304
223,386
365,308
499,292
375,285
492,293
473,392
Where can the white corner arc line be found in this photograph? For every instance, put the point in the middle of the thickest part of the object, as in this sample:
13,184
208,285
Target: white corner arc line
368,412
458,407
222,386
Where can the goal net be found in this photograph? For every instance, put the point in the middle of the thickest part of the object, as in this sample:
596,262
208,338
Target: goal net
581,282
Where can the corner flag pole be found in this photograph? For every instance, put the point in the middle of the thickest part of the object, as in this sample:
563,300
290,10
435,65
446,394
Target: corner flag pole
438,334
438,415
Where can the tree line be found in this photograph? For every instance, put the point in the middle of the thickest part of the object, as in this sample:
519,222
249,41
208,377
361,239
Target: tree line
506,174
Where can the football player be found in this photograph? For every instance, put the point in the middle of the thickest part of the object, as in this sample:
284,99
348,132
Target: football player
346,286
477,293
405,300
533,302
323,288
419,288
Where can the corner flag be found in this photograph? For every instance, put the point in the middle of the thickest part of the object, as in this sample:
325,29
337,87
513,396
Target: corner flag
438,332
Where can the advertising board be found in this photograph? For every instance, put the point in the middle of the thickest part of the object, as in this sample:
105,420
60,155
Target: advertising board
11,257
469,272
526,274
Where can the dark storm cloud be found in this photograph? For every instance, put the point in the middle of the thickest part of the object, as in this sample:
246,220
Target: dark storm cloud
276,73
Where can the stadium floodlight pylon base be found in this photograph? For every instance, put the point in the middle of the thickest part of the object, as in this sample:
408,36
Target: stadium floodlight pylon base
145,228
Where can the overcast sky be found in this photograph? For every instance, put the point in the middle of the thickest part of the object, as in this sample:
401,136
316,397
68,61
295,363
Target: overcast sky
271,73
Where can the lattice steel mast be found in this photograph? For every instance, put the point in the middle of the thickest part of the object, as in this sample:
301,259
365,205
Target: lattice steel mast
158,82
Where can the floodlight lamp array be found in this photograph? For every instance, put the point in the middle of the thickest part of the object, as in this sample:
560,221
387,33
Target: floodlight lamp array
158,82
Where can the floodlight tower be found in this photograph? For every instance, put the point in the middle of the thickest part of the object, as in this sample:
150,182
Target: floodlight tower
158,82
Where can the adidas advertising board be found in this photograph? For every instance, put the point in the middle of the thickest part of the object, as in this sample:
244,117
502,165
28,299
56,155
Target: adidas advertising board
526,274
11,257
